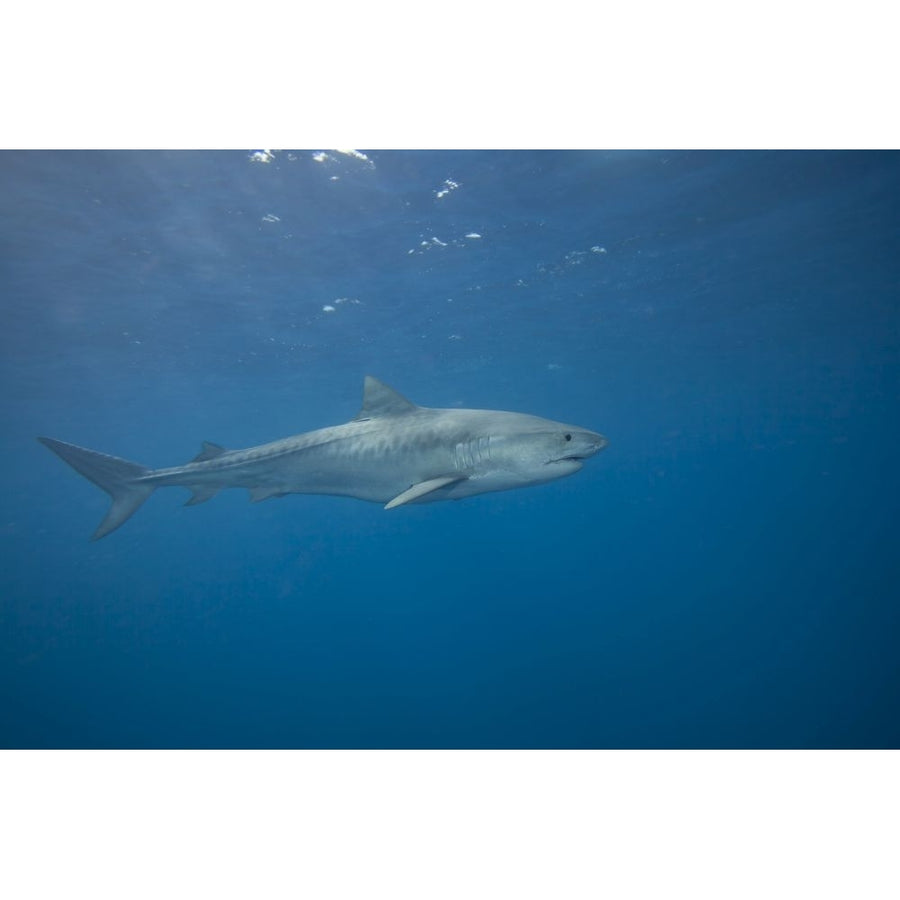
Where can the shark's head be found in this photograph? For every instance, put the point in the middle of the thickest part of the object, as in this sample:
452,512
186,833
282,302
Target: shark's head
540,450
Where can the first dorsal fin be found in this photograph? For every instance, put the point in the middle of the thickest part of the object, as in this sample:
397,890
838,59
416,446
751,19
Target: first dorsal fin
209,450
381,400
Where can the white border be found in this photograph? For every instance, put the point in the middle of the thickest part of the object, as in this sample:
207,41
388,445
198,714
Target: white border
404,74
449,825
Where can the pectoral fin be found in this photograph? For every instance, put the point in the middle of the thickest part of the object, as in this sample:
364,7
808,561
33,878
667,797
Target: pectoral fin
421,489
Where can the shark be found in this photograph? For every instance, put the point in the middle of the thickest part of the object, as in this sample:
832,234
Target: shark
393,452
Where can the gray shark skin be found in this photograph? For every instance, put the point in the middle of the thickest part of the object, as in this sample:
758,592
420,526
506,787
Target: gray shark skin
392,452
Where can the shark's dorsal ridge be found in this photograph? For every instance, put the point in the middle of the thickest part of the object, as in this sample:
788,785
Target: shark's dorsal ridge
379,400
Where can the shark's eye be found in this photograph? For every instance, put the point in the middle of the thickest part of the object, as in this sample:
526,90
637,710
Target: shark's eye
568,437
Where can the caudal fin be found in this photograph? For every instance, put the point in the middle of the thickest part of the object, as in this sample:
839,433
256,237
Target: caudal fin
118,477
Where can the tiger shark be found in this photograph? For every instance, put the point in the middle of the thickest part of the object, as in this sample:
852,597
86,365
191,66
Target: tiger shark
393,452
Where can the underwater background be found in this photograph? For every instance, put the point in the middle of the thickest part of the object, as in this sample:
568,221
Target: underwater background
724,574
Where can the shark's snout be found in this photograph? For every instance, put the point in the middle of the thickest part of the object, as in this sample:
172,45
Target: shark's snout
584,444
590,443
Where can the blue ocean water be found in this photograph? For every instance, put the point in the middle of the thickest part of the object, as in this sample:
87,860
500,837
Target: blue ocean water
724,574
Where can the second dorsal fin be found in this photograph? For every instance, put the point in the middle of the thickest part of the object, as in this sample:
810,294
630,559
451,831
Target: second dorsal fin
209,450
381,400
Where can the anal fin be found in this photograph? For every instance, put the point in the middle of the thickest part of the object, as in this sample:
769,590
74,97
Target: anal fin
263,493
202,494
421,489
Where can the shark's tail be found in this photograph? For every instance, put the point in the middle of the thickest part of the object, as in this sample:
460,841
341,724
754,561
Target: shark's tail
118,477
